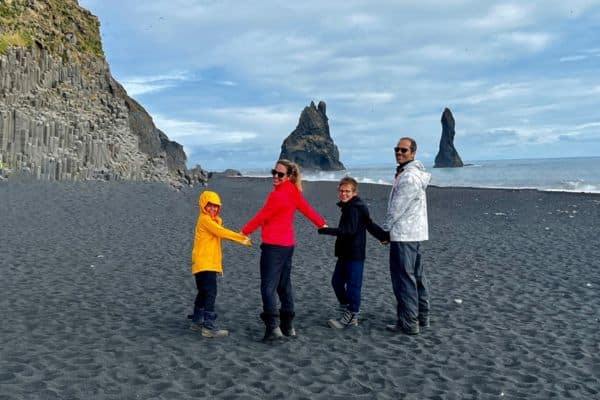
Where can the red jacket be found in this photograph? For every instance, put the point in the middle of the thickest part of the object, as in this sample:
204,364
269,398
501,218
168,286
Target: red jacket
277,215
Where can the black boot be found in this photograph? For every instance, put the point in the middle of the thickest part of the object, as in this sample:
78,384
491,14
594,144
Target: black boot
424,320
286,323
272,330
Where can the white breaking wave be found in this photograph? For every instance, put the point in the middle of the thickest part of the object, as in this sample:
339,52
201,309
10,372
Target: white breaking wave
564,174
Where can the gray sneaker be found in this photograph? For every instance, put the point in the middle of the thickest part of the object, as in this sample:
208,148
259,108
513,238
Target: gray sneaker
348,319
409,330
195,326
206,332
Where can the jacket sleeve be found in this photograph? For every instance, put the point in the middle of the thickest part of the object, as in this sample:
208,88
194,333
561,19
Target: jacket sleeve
377,232
220,231
402,195
272,205
308,211
329,231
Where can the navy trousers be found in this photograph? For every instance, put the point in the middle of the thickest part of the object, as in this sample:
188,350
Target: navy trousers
206,283
275,278
347,282
408,282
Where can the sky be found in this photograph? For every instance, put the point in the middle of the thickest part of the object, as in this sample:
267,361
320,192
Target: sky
229,79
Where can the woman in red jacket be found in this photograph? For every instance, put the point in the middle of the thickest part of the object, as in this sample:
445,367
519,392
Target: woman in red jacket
276,218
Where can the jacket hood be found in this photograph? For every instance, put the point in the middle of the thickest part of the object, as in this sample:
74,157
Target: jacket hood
208,197
417,169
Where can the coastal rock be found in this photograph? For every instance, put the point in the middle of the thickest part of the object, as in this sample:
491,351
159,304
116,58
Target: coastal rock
228,173
62,114
310,145
447,156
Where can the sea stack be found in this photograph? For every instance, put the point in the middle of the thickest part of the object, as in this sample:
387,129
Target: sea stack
447,156
310,145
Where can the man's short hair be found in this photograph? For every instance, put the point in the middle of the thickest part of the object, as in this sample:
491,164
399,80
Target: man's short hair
413,144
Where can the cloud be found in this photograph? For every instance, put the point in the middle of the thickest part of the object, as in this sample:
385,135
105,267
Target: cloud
501,91
139,85
531,41
502,17
198,132
364,98
573,58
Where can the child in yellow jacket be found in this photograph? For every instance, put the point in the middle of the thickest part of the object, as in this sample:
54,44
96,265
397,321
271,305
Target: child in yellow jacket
207,262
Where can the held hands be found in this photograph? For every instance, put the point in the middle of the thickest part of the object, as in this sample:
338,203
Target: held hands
386,240
322,229
247,242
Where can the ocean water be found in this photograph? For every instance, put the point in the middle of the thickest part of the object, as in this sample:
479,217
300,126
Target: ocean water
551,174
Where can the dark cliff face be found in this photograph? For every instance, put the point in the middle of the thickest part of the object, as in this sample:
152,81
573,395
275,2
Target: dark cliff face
447,156
310,145
62,114
152,140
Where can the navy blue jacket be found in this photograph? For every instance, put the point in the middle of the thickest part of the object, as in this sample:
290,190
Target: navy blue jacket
351,231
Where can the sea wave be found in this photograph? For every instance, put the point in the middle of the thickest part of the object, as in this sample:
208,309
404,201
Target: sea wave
579,175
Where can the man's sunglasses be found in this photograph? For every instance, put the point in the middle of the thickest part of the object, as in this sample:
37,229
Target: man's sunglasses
280,175
402,150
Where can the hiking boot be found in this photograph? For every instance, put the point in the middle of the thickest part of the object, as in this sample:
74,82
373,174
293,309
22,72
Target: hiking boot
348,319
424,321
272,335
410,330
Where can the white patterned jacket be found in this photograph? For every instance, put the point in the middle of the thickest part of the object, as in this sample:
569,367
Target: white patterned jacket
406,217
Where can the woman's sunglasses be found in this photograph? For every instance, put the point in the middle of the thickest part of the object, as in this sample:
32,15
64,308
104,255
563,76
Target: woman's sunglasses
280,175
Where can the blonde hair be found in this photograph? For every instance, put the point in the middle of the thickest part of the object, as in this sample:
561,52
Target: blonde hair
293,171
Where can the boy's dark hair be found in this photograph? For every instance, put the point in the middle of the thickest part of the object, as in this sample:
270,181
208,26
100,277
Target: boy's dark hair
348,180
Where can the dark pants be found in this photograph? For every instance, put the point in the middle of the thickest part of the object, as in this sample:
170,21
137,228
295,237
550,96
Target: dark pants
206,282
408,282
347,282
275,279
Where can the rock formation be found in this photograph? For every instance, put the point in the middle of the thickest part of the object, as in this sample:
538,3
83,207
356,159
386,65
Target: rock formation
62,115
447,156
310,144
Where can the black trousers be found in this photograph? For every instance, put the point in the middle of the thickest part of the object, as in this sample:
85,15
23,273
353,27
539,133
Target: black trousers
206,283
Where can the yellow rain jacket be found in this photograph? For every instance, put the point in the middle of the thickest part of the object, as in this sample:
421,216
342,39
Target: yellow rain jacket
206,255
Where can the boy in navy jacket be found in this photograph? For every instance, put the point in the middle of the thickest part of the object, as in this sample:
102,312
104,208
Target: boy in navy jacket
350,251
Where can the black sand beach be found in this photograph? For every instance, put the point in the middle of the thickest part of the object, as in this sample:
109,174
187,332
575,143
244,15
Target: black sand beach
96,285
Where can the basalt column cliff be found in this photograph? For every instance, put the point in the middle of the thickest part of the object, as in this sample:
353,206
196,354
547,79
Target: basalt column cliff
62,115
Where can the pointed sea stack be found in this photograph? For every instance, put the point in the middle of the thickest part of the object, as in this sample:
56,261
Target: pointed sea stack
310,144
447,156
